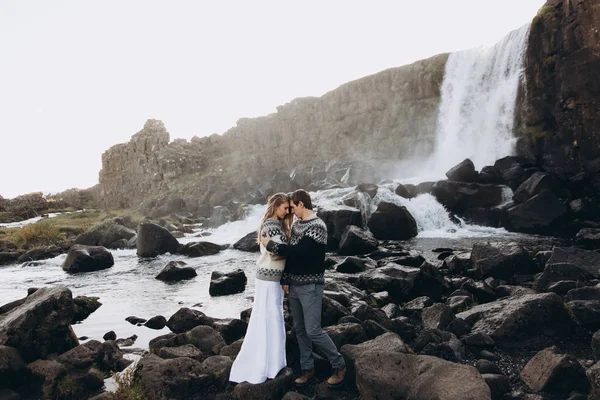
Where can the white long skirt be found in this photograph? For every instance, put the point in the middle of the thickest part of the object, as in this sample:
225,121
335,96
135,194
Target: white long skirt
262,355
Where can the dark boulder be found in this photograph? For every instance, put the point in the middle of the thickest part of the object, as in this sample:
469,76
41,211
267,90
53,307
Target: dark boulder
351,265
222,284
108,234
501,260
457,197
87,259
394,375
207,339
41,325
511,171
437,316
534,185
415,307
272,389
248,243
569,263
529,319
84,307
489,175
494,217
552,371
337,219
387,342
135,320
397,280
12,367
442,344
392,222
463,172
357,241
153,240
186,319
199,249
175,271
231,329
585,312
186,350
157,322
404,191
348,333
162,379
499,384
332,311
169,340
539,214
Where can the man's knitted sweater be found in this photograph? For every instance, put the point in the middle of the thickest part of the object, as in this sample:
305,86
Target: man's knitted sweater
269,267
305,255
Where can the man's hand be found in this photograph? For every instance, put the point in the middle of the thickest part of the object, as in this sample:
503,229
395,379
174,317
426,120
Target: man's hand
286,289
265,240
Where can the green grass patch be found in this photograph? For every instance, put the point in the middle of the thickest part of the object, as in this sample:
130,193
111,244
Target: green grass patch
44,232
7,217
92,218
128,388
62,228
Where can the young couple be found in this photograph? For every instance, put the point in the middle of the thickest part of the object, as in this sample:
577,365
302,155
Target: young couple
292,261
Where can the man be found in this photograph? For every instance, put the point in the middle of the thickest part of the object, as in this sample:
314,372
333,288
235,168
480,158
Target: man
303,280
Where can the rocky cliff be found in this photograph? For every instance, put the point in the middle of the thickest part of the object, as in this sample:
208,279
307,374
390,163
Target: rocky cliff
559,104
379,119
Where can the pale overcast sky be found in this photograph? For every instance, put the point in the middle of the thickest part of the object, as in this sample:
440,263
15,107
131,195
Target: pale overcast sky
77,77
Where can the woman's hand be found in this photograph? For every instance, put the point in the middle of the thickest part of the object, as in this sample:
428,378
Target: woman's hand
265,240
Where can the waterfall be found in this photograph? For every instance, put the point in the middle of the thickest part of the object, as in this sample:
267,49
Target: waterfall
477,108
475,120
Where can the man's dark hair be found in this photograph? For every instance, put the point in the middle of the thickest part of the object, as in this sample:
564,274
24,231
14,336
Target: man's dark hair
302,195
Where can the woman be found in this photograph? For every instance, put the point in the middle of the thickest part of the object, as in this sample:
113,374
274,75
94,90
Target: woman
262,355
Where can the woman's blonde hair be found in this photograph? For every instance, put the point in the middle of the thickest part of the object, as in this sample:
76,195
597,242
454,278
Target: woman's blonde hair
275,201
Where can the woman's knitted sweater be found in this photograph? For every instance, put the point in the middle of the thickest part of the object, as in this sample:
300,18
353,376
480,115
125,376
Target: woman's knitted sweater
269,266
305,254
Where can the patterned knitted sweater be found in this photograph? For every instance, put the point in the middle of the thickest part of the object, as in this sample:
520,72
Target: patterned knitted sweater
269,266
305,254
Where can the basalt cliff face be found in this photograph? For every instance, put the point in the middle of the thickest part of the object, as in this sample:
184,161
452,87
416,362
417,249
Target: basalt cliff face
559,103
379,119
376,122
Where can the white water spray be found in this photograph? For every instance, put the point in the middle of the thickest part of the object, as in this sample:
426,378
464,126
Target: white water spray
231,232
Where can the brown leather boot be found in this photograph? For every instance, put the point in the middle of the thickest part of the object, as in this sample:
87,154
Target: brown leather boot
306,375
337,379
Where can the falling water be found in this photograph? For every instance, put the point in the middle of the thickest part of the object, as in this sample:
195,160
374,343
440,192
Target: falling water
477,108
